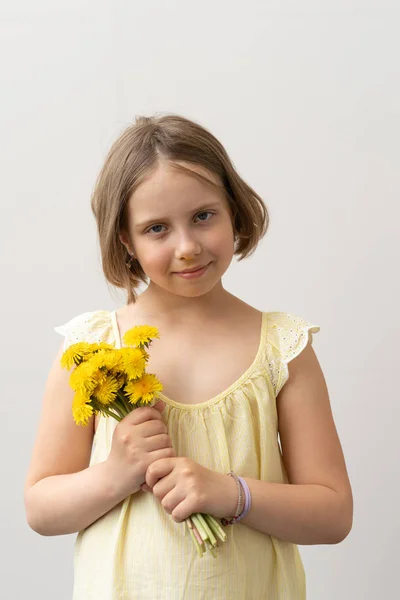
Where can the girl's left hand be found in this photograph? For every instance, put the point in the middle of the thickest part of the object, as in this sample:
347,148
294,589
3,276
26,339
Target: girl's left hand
184,487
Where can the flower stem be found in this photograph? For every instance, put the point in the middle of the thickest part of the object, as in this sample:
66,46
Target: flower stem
199,547
199,527
193,527
119,401
211,549
108,410
116,414
207,529
216,527
124,402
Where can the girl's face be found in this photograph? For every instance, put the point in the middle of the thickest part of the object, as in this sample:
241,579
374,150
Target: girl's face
177,223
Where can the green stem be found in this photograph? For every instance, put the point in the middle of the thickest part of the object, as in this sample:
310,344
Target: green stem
120,407
108,411
207,529
125,403
122,404
199,548
114,406
116,414
216,527
211,549
199,527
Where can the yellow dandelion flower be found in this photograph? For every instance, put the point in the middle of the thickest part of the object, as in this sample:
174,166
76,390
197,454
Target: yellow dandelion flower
105,364
121,378
86,377
133,362
107,390
141,335
81,351
143,390
101,358
75,354
81,409
111,360
103,346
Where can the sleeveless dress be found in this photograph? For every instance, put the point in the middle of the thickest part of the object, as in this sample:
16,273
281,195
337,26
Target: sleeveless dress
136,551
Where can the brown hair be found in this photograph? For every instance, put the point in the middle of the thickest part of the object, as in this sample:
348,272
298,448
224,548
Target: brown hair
133,156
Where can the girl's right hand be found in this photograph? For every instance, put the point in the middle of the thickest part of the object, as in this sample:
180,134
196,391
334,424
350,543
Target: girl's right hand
138,440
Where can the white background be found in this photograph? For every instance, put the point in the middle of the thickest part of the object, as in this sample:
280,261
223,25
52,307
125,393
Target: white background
305,96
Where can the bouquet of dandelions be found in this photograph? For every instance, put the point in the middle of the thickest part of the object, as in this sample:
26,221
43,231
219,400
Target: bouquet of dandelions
113,381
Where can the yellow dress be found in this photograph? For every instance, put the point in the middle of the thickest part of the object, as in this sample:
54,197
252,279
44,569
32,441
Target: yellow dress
136,551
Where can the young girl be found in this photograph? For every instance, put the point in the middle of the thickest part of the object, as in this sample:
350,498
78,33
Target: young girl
244,396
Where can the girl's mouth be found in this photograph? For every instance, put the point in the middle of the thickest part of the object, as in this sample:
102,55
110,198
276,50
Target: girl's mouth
193,274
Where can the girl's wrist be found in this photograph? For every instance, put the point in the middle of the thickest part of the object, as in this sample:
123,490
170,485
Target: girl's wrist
118,487
230,495
222,496
244,500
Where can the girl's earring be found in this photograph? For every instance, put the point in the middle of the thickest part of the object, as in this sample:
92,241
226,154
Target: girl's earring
130,262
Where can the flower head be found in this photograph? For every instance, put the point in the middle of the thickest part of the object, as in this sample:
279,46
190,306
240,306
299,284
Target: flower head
85,377
133,362
143,390
110,360
81,409
81,351
140,335
106,390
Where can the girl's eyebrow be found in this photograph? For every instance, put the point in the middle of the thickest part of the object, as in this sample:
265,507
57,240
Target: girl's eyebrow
162,219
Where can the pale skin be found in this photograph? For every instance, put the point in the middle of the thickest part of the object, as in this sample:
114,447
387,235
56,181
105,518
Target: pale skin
314,508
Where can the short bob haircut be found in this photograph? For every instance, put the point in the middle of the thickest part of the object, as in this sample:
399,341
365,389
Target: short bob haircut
134,156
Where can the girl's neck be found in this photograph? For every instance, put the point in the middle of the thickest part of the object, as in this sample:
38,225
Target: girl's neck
169,308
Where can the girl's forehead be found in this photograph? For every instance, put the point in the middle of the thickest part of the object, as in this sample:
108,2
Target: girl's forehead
178,173
169,186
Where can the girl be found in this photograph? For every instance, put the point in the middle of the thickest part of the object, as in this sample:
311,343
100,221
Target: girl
244,396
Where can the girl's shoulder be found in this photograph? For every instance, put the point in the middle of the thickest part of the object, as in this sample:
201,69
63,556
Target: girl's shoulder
286,336
91,326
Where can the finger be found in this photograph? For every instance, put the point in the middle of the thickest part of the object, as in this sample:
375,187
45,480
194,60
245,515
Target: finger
157,455
150,428
145,488
172,500
157,442
159,406
182,511
142,414
159,469
163,487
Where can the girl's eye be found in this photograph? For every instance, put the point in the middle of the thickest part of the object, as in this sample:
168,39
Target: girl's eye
203,215
155,229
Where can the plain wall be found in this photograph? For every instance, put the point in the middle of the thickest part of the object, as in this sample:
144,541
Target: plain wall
305,96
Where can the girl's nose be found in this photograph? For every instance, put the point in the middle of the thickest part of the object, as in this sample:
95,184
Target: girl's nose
187,246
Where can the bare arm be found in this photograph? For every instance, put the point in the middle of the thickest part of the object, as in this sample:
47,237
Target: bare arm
63,494
316,507
62,504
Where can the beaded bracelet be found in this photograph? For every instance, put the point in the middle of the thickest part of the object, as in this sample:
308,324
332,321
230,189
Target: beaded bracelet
240,514
239,504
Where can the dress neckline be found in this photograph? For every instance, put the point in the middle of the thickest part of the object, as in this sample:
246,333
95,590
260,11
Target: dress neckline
229,390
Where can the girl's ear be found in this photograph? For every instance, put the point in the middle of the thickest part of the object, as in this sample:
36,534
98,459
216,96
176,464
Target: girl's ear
125,241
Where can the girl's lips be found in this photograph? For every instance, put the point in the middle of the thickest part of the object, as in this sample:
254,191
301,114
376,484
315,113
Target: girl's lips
193,274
